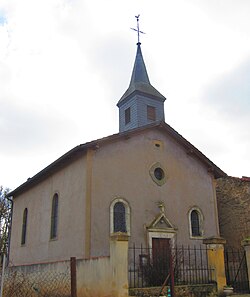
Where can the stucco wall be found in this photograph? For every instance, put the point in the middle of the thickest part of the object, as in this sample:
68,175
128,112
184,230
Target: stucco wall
70,184
121,169
233,196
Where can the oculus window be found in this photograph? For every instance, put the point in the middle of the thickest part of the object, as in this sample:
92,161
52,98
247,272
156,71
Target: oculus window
158,174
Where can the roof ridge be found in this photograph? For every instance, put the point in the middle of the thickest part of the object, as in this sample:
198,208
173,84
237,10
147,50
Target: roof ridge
58,163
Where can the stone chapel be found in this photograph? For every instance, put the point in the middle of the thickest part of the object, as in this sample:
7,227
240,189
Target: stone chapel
147,181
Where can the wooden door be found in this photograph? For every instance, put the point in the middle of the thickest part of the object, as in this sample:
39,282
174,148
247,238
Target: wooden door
161,258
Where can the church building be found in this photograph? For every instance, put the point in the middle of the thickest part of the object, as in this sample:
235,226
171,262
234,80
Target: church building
147,182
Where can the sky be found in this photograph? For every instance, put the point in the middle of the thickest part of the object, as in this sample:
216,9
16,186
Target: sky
64,64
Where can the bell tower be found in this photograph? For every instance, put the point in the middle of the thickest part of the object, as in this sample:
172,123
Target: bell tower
141,104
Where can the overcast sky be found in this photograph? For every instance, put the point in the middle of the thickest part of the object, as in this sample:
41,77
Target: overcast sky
64,64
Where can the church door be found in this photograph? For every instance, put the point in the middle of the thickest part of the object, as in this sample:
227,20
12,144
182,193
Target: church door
161,259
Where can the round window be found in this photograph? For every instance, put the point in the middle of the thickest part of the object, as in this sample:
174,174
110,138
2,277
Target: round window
159,173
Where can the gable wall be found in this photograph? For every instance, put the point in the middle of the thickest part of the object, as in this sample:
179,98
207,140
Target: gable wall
121,169
69,183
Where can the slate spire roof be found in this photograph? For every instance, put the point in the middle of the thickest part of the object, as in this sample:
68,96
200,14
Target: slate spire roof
139,73
140,81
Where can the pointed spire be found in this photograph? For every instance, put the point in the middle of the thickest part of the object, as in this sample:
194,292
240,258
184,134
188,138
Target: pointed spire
140,81
141,104
139,73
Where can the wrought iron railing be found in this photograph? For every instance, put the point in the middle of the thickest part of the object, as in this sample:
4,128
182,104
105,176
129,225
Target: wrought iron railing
148,269
236,269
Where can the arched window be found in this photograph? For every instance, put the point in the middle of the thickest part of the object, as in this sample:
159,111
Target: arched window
24,226
195,222
54,217
119,216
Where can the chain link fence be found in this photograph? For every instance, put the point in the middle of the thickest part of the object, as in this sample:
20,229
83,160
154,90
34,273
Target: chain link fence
37,284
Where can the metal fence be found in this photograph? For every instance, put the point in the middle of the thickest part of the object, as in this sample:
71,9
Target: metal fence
43,284
39,281
236,269
147,269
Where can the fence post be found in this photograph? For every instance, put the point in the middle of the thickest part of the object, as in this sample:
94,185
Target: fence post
246,245
73,276
2,278
215,255
119,263
171,274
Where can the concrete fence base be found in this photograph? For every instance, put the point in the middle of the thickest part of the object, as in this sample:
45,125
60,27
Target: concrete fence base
102,276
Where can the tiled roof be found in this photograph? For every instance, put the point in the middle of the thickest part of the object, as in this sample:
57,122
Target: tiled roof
79,150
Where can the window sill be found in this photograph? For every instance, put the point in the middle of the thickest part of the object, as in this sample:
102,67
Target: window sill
197,237
119,236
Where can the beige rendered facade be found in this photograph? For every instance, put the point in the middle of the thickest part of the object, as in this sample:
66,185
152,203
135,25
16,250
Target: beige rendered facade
146,185
117,168
146,182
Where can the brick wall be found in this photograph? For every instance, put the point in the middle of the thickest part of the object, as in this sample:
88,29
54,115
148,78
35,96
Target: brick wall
233,196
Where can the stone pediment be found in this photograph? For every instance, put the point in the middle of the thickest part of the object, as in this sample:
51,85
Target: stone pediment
161,222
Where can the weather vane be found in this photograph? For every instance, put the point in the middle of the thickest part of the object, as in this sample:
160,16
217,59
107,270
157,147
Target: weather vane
138,30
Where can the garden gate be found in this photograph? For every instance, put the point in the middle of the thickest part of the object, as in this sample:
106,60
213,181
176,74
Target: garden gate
236,269
190,266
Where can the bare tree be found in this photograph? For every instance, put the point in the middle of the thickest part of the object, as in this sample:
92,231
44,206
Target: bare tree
5,217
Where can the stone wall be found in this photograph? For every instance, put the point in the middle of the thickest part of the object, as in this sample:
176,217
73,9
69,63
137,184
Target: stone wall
184,290
233,196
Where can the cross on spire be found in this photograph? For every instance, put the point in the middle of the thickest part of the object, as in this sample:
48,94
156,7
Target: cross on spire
138,29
